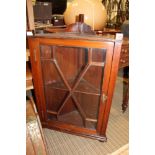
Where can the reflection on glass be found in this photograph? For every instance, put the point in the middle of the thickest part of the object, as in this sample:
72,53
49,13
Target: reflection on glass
72,81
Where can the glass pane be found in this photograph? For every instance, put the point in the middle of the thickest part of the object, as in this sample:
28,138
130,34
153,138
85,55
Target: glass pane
71,61
91,82
45,51
54,98
72,82
98,55
90,105
51,75
70,114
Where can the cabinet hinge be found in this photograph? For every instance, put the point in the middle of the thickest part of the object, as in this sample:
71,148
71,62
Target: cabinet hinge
103,98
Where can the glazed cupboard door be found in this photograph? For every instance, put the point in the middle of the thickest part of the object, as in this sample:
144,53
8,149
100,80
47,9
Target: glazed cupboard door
74,83
74,78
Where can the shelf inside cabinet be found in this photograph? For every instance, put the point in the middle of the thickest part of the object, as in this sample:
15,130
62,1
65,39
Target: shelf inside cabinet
83,87
75,119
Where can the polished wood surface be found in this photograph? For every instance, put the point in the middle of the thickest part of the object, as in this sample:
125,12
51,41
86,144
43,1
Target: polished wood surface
124,62
74,78
27,55
29,82
124,57
35,143
29,16
108,31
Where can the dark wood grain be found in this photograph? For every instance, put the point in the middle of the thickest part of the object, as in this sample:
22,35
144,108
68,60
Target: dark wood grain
73,74
35,142
29,16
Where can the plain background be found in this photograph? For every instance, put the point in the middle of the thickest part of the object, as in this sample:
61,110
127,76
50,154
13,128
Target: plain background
13,77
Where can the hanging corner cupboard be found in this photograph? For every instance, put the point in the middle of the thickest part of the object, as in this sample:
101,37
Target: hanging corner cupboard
74,78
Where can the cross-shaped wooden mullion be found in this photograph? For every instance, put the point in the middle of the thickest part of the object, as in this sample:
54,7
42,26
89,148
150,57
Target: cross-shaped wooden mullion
71,90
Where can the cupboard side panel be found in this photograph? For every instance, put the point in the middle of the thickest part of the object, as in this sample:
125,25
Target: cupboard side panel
37,78
113,76
105,84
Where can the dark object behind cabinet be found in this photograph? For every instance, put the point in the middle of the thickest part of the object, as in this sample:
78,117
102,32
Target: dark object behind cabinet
74,79
58,6
42,11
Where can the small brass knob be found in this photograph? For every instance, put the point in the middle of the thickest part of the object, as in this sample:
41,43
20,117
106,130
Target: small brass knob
103,98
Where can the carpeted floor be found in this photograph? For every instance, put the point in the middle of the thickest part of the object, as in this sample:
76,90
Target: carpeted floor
59,143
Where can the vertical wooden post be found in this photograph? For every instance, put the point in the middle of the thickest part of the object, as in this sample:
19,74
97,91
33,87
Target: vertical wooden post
30,15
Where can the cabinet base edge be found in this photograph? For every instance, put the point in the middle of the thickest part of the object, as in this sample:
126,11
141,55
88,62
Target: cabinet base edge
95,137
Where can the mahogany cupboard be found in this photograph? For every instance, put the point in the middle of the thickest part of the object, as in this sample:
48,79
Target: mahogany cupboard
74,78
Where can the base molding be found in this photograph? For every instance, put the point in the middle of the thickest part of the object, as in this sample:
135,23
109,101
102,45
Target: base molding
74,132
